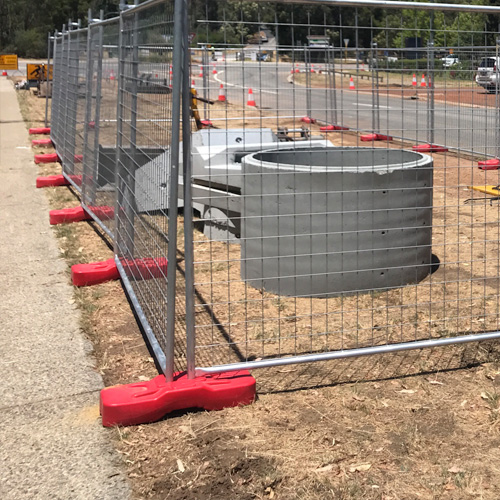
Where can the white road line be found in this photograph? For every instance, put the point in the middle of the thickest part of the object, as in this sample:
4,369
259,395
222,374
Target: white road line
370,105
227,84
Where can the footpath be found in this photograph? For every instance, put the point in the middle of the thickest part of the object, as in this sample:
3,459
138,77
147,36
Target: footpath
52,445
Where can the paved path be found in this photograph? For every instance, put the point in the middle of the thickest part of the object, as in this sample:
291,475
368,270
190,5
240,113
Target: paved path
52,445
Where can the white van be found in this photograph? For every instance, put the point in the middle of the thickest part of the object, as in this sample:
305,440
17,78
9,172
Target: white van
487,73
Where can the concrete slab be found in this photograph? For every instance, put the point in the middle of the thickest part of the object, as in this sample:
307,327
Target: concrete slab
53,446
53,441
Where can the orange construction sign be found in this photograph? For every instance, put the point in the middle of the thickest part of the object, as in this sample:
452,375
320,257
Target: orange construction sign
8,61
38,72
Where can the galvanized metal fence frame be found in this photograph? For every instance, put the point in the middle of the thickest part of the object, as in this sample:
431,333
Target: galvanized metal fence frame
294,358
153,116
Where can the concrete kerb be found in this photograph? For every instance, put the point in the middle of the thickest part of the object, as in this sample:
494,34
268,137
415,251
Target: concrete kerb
53,445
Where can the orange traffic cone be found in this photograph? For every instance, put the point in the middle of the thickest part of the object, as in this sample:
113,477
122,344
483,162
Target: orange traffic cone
4,73
112,75
414,81
297,70
201,72
312,68
250,100
222,97
351,84
214,70
422,82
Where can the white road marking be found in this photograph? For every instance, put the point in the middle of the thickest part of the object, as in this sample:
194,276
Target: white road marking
370,105
257,90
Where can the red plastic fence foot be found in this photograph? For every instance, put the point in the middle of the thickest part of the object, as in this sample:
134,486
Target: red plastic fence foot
77,179
66,215
51,181
103,213
100,272
493,164
207,123
42,142
78,214
332,128
308,119
144,402
147,268
429,148
375,137
36,131
94,273
47,158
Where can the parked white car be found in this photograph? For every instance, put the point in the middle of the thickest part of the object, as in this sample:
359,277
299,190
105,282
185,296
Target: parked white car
450,60
487,73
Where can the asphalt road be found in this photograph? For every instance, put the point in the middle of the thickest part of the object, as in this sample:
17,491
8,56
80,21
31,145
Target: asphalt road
456,125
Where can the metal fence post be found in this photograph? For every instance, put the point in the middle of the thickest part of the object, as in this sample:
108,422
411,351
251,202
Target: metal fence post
188,199
88,101
430,91
65,86
119,136
307,58
97,115
332,83
56,83
375,90
497,99
177,62
47,79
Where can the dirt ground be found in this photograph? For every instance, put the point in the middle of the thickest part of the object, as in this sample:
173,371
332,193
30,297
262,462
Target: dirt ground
413,425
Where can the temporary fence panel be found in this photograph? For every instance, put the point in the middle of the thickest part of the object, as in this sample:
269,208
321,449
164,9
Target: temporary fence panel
361,244
148,150
99,159
326,167
56,104
72,154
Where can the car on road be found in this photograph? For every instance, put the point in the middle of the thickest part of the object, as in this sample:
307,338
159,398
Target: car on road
487,73
450,60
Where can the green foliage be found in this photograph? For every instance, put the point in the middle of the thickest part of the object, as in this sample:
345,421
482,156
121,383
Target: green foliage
30,43
463,71
25,24
407,64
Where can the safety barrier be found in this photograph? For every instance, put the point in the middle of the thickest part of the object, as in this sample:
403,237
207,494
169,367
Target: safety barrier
264,210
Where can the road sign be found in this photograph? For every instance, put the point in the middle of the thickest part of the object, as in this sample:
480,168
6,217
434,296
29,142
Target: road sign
8,61
38,72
